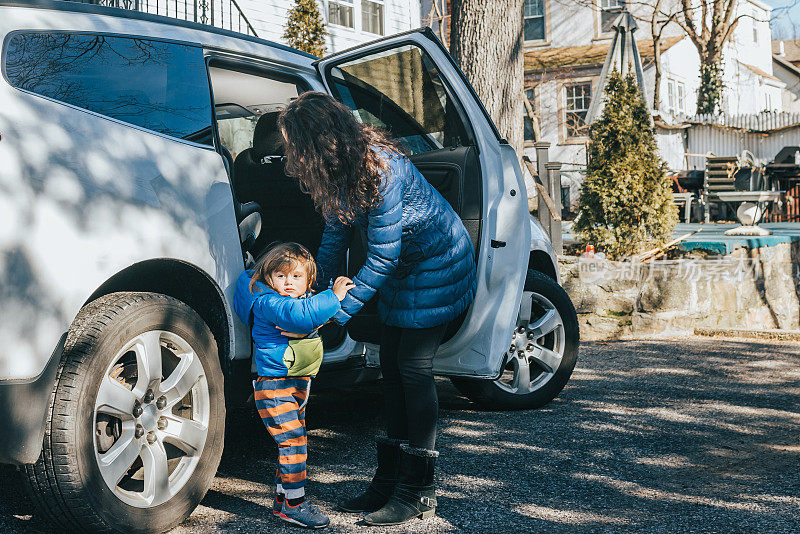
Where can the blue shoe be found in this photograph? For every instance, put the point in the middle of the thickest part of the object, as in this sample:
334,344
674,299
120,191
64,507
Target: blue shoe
304,514
277,505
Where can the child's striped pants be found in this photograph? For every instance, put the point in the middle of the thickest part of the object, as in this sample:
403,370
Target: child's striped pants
281,403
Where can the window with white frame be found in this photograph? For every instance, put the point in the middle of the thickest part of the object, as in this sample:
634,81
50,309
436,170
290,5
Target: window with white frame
609,11
578,97
533,20
340,13
372,16
768,101
676,96
755,31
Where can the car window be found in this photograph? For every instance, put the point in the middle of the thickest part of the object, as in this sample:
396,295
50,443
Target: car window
156,85
241,98
401,91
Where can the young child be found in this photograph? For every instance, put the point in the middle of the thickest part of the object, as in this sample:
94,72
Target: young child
273,299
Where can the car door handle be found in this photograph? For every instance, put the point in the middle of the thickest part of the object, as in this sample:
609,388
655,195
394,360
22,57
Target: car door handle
497,244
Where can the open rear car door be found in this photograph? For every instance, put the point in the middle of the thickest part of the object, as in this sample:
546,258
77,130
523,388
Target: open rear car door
409,85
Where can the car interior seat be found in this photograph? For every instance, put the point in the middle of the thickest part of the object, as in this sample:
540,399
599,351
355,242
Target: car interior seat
248,214
259,176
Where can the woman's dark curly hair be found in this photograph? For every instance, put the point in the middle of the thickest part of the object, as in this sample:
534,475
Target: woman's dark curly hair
330,153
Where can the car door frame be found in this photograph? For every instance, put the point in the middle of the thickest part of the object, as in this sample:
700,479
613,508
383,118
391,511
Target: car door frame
480,346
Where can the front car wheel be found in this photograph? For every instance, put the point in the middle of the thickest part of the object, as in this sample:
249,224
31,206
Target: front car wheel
541,356
135,430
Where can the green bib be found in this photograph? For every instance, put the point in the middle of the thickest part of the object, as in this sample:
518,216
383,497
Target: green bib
303,356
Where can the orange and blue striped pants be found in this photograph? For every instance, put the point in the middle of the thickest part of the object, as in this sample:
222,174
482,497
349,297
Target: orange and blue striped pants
281,403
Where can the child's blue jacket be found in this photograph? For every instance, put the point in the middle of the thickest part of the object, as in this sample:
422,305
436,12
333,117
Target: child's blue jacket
266,310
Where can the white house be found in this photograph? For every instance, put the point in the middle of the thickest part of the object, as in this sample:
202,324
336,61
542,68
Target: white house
786,66
349,22
566,44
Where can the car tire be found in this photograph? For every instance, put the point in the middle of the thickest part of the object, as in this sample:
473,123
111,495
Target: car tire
549,361
139,382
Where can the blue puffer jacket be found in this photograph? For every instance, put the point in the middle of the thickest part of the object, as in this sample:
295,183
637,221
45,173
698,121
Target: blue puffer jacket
419,255
266,310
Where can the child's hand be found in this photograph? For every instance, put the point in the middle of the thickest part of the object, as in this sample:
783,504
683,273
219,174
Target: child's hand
341,286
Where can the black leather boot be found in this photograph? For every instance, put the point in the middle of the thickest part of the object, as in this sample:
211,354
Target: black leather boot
383,483
414,495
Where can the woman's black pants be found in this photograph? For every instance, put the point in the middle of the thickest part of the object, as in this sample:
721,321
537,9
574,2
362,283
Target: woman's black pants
412,407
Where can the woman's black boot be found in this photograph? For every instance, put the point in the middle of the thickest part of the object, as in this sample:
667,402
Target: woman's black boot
383,483
414,495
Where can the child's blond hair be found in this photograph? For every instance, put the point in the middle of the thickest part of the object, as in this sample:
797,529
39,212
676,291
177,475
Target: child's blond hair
281,257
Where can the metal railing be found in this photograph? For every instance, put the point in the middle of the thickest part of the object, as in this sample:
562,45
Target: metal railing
225,14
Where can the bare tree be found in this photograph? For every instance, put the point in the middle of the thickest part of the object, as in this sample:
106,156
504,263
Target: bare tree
709,32
659,21
708,23
486,41
785,22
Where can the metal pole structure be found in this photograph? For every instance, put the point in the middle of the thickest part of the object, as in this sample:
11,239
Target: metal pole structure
554,179
545,216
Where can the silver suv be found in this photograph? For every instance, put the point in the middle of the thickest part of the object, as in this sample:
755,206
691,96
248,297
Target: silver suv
141,169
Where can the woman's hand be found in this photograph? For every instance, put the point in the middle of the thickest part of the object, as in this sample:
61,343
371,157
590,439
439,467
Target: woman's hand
341,286
290,334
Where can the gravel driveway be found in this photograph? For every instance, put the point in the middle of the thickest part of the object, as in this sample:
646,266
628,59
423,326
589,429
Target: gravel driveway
678,435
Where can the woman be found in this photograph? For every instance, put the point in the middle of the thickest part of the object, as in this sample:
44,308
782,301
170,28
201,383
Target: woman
420,262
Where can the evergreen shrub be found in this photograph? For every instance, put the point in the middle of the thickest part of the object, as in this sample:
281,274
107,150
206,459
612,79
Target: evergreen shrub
305,28
626,204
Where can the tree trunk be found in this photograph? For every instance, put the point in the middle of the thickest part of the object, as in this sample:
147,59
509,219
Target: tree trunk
656,29
709,94
657,63
486,41
709,34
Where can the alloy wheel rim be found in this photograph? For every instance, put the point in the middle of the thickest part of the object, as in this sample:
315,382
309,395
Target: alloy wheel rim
537,348
151,418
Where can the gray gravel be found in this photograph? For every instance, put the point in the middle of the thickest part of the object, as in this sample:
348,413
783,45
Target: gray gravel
677,435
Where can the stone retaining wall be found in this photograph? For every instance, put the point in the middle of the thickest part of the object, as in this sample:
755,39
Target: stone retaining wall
752,289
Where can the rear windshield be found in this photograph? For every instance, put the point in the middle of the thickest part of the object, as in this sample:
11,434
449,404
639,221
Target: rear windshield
153,84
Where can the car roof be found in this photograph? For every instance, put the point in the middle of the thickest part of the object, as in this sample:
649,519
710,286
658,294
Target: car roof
79,7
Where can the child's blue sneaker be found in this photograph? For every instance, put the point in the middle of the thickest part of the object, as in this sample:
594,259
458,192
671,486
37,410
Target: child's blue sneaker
277,505
304,514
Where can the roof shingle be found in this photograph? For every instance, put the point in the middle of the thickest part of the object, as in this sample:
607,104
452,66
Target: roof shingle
759,72
585,56
791,48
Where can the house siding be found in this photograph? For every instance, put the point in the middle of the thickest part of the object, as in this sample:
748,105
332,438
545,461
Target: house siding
268,18
679,64
750,85
790,96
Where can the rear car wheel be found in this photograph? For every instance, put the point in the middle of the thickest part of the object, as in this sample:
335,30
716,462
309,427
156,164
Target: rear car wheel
135,428
541,355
